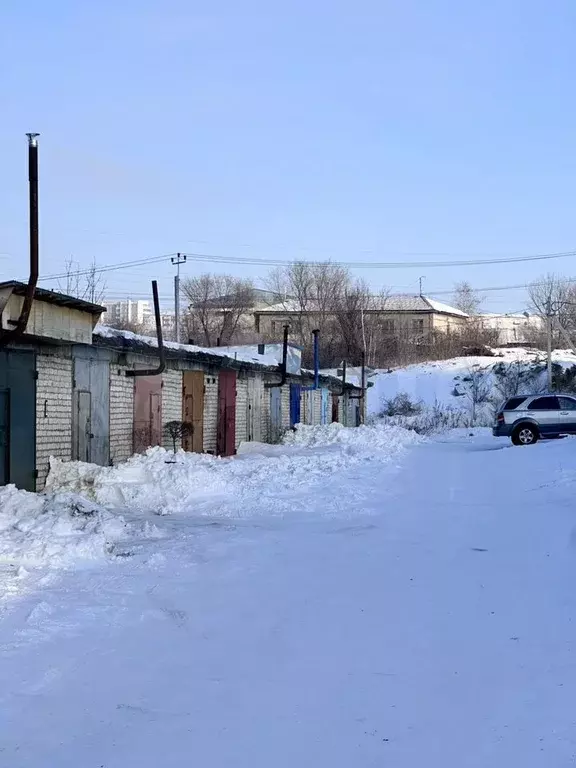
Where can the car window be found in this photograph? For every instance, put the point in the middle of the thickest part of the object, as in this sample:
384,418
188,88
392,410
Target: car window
567,403
544,404
513,402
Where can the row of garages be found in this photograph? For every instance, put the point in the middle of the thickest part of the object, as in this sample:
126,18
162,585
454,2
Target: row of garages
81,402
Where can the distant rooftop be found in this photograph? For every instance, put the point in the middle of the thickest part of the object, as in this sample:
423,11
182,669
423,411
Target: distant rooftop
395,303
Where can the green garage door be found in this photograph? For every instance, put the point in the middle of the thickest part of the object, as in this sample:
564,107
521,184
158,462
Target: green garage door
18,419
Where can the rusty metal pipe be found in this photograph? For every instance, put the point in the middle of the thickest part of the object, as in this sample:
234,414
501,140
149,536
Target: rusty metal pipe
22,322
161,354
284,363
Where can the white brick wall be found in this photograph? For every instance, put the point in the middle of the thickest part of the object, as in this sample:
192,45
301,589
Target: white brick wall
286,406
241,411
53,413
341,409
210,413
316,406
171,404
265,415
121,414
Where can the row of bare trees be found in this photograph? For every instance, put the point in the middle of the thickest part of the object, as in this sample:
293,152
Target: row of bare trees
327,297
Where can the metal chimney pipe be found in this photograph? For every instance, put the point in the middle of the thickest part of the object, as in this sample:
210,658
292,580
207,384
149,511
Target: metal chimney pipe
22,321
316,334
161,353
284,363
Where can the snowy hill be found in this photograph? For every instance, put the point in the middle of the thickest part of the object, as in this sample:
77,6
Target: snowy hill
438,382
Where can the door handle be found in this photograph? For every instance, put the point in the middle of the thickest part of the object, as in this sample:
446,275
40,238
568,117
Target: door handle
564,413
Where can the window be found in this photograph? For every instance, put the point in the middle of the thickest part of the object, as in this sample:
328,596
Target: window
388,326
544,404
513,403
567,403
417,326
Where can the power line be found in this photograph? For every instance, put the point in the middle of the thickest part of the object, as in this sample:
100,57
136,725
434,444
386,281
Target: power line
271,262
109,267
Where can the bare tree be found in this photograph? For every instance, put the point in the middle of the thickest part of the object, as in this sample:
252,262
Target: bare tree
466,299
554,300
477,388
87,284
311,295
359,319
129,325
219,306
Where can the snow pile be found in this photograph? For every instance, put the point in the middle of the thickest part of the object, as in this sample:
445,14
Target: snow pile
55,529
156,481
198,484
378,439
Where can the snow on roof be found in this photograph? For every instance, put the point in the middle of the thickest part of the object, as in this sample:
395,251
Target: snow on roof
231,353
438,306
290,305
262,361
395,303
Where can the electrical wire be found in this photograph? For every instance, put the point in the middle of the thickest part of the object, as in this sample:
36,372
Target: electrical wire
271,262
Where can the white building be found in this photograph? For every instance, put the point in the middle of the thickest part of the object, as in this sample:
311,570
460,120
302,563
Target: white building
512,328
130,312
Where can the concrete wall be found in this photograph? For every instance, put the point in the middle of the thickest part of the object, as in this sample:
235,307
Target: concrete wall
171,404
210,413
53,413
121,414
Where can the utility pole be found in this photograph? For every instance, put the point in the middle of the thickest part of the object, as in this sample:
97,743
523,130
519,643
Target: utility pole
549,342
180,258
420,279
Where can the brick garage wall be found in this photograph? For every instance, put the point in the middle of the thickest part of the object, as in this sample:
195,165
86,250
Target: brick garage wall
53,413
286,406
265,426
171,404
316,406
241,411
121,414
341,401
210,412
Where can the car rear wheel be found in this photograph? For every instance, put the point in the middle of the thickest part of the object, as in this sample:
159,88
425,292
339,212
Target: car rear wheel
524,434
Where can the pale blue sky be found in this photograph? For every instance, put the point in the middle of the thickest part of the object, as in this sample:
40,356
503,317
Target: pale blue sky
298,130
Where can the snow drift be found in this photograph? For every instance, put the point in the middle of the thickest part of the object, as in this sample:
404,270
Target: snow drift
163,483
55,529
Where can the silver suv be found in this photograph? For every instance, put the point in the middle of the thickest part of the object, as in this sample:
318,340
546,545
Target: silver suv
526,418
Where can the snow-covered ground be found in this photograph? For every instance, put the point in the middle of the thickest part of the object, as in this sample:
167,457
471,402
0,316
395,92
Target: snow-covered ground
435,382
317,604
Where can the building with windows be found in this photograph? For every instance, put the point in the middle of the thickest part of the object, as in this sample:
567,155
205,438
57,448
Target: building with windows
128,312
400,316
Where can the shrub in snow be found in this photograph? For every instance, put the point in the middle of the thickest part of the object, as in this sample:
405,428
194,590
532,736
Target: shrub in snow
178,430
401,405
436,419
564,379
517,378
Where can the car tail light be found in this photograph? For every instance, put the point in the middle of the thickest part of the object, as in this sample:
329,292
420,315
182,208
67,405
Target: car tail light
500,418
